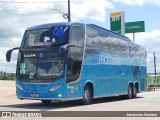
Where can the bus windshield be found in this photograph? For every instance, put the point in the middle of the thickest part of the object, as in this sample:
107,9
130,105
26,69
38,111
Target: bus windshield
42,66
45,37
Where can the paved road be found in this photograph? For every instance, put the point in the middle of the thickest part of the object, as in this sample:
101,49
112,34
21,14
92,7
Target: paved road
147,101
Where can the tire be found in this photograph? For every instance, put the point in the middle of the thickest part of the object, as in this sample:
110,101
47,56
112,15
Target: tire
46,101
135,90
130,92
87,97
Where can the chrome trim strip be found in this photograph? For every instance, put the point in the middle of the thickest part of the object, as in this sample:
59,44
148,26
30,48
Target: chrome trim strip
35,83
110,95
56,99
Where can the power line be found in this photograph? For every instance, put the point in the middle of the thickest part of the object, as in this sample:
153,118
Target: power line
29,9
68,1
25,11
5,10
31,2
23,8
19,7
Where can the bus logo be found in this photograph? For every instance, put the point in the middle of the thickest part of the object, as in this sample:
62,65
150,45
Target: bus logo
109,60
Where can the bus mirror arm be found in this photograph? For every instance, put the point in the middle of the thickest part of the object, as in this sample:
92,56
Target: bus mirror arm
9,52
63,48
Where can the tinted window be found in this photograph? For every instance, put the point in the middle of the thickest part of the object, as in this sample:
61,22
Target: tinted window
32,66
77,36
99,40
43,37
75,54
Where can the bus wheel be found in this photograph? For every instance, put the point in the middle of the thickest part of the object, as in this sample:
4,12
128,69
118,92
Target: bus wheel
87,95
46,101
135,91
130,91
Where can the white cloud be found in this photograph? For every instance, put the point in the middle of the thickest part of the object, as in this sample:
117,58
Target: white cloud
4,66
154,24
139,2
16,17
94,10
151,41
132,2
156,2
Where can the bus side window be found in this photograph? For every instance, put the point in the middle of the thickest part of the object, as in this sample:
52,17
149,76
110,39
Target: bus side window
73,72
75,54
77,36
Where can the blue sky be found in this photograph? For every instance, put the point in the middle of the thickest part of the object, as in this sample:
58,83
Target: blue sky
17,15
147,12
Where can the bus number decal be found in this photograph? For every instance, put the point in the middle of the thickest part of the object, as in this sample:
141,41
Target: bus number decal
71,87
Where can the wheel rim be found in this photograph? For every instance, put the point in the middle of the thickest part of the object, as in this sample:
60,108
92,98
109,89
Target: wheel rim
135,92
130,92
87,95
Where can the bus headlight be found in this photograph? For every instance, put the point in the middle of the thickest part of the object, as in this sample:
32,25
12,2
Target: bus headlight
55,87
59,95
19,86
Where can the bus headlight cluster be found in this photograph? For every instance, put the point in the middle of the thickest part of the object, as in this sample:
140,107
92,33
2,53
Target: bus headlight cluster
19,86
55,87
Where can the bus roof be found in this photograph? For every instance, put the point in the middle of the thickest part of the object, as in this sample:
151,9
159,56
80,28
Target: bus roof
49,25
108,31
115,34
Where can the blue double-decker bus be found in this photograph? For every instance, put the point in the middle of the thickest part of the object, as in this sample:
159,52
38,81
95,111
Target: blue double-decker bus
72,61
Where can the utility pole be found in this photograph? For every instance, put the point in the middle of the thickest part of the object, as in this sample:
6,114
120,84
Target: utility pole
69,13
66,16
155,72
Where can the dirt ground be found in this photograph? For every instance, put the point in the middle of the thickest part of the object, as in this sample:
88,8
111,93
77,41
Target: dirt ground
7,90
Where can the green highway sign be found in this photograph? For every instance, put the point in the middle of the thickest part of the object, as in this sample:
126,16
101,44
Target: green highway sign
133,27
117,22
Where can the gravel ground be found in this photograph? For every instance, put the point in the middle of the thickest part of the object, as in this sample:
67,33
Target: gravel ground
7,90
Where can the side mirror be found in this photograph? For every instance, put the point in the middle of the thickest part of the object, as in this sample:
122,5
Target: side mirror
8,55
9,52
63,48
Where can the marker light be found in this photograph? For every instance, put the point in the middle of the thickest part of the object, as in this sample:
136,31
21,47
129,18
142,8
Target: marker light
59,95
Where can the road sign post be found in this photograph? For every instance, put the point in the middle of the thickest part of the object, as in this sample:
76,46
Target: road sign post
134,27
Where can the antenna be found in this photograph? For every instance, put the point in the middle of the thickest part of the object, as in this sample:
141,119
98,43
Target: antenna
155,72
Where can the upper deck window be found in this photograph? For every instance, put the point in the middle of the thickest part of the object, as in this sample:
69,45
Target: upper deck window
44,37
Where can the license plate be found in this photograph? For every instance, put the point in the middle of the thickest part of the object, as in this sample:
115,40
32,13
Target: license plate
35,95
